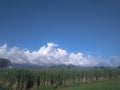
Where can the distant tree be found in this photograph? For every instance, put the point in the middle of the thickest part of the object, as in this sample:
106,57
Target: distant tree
102,67
118,66
4,62
96,67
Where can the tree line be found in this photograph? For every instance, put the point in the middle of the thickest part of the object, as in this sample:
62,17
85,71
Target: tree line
4,63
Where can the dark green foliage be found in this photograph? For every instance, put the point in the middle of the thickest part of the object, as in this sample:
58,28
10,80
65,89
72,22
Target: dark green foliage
4,62
22,79
118,66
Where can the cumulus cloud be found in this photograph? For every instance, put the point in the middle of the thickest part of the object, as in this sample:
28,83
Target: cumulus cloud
50,54
115,61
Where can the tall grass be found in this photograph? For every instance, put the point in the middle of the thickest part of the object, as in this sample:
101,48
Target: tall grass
22,79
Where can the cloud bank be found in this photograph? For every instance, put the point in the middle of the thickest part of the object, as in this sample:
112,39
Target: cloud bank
50,54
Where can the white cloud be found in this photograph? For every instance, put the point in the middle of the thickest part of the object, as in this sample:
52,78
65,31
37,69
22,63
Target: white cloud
52,55
115,61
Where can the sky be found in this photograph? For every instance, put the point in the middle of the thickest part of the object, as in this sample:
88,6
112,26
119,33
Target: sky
79,32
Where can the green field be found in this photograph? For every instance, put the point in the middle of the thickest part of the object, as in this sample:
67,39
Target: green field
60,79
97,85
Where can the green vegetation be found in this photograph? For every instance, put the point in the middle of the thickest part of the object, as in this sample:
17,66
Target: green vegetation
95,85
42,79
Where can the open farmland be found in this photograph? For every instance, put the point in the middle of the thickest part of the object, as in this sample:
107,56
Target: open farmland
43,79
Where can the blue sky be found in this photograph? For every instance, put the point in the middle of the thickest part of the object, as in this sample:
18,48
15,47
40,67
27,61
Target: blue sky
87,26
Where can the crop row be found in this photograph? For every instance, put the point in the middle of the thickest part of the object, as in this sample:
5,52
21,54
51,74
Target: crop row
22,79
